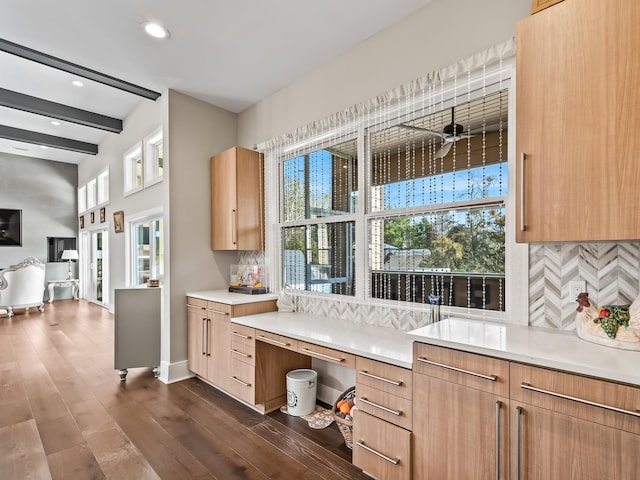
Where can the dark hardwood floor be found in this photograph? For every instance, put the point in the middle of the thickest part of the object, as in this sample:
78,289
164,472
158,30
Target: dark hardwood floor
65,414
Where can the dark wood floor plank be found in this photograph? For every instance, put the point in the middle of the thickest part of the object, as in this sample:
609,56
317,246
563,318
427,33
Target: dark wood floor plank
317,459
76,462
22,453
59,434
236,448
118,458
163,452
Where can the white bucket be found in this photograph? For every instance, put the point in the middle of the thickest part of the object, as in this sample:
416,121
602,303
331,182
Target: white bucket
301,391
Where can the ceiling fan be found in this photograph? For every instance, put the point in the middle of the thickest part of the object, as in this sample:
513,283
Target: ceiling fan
450,134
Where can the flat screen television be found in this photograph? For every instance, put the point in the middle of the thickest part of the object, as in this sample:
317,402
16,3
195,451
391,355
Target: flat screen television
10,227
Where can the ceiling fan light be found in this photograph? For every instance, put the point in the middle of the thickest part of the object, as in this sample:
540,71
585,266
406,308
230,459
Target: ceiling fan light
156,30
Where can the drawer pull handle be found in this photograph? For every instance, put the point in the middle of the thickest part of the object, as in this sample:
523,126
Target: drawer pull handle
208,337
246,337
204,336
526,386
272,341
393,461
236,379
397,383
322,355
217,312
238,352
493,378
381,407
518,440
196,306
498,432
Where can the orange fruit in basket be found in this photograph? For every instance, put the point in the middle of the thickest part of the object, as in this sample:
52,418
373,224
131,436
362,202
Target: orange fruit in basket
344,408
340,403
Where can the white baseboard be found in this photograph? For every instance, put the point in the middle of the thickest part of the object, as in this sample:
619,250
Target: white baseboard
174,372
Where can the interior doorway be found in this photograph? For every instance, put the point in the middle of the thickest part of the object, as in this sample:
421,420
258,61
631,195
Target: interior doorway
95,265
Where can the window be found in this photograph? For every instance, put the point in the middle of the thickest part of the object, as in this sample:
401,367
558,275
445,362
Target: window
436,206
153,158
318,236
103,187
82,199
133,170
92,193
434,211
147,250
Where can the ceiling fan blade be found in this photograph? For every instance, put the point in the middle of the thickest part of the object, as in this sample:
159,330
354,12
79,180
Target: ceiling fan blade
443,150
425,130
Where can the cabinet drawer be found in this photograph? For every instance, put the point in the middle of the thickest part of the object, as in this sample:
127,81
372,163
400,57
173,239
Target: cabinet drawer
242,381
196,302
215,308
242,334
600,401
469,369
244,353
391,408
277,340
384,377
328,354
381,449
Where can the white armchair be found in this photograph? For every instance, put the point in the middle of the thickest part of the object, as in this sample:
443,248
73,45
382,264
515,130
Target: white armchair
22,286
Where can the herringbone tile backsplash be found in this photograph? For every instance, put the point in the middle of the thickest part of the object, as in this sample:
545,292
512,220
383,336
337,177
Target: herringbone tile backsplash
611,271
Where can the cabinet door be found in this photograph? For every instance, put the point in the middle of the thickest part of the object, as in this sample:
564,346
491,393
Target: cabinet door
459,432
219,359
577,118
549,445
197,334
224,207
237,200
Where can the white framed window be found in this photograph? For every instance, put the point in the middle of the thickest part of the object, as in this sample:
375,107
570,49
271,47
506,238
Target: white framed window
153,157
425,208
133,171
82,199
103,187
92,192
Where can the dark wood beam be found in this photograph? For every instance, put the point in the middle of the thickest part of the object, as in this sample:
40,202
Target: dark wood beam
40,106
52,141
60,64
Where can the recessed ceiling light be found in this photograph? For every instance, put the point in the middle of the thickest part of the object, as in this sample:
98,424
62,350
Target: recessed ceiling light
77,83
155,30
44,147
55,122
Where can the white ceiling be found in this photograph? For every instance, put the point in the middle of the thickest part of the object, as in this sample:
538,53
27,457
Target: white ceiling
230,53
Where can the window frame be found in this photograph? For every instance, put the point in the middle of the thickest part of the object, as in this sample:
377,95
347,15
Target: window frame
516,255
130,160
151,166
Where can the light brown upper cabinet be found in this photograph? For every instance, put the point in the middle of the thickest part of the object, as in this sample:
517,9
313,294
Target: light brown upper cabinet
537,5
237,200
577,119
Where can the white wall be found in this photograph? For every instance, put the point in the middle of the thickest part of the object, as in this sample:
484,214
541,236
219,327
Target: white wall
436,36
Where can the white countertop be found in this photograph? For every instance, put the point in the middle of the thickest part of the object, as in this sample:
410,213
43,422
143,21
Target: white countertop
224,296
378,343
562,350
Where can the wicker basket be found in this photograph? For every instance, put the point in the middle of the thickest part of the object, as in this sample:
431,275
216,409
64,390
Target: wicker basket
345,426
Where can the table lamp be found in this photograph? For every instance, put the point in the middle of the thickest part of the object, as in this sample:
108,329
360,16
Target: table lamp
70,255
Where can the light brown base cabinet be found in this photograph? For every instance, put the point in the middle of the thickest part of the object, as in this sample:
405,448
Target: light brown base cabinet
211,344
477,417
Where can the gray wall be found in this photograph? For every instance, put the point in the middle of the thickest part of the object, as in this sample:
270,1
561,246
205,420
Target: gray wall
46,192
